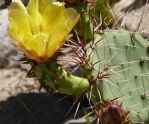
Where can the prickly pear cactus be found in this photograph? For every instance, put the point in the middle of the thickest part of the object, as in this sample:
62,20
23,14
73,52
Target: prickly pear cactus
114,67
55,78
120,62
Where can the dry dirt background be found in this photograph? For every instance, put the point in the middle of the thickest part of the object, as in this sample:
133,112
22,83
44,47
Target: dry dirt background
20,100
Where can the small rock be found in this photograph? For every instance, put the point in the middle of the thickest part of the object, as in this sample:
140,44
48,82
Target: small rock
8,52
133,15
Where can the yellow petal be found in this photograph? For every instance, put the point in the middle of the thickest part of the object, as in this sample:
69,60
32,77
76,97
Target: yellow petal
58,25
19,26
72,16
32,7
17,4
37,43
50,16
43,5
56,14
34,15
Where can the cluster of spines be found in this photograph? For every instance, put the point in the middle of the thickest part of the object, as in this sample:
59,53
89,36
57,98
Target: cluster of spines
113,73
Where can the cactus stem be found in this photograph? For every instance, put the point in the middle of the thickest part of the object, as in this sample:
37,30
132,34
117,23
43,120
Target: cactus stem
56,78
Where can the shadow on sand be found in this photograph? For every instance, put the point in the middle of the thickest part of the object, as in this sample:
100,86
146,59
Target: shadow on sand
34,108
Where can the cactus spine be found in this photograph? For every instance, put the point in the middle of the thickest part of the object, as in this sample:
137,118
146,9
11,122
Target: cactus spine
122,71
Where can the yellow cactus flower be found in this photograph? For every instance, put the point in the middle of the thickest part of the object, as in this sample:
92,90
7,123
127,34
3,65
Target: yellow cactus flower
41,28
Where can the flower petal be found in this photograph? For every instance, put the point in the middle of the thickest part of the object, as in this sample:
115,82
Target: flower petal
57,17
73,17
37,43
34,15
43,5
50,16
17,4
58,24
17,19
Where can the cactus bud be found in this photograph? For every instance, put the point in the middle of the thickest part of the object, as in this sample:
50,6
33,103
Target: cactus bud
111,113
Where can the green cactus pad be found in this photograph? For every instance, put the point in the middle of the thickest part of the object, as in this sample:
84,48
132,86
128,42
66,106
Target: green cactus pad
120,62
51,75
